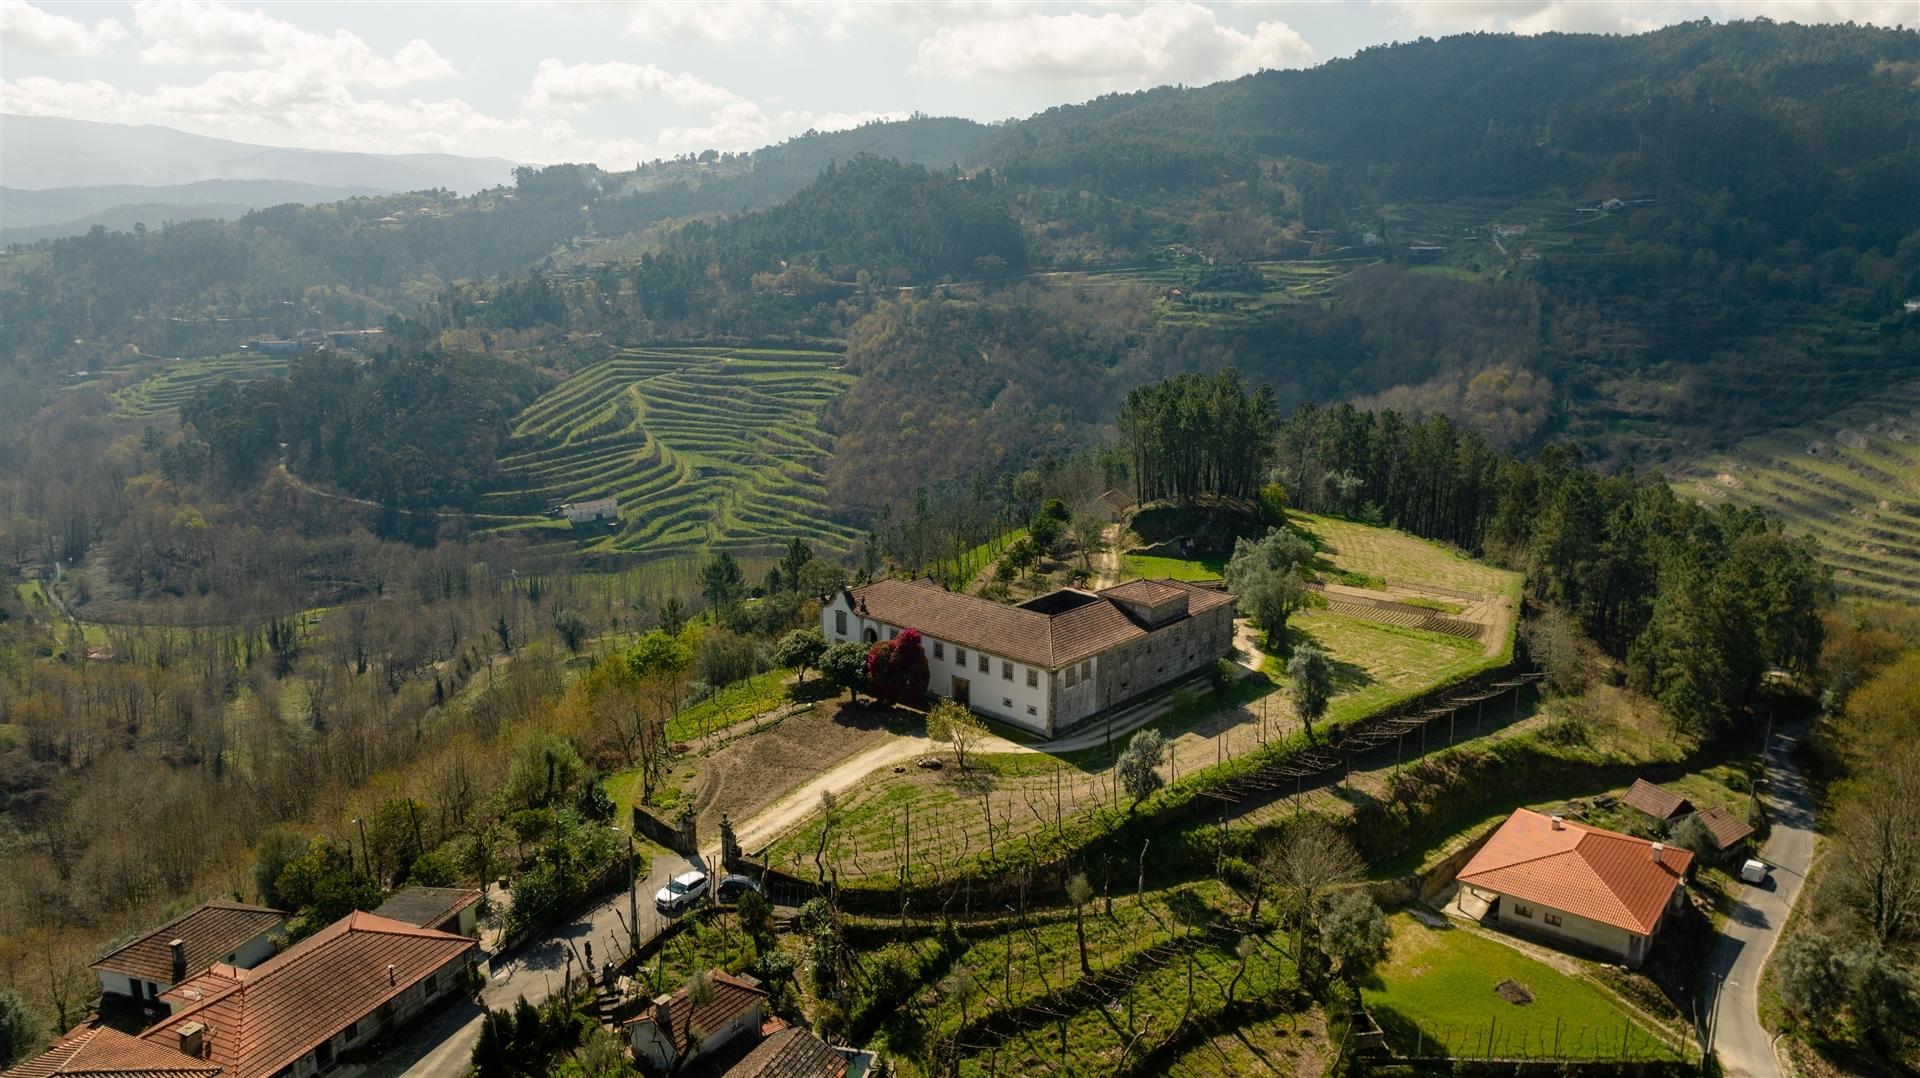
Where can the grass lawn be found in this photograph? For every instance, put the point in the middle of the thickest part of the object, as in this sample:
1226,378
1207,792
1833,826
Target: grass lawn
1211,567
1375,665
1398,558
1436,989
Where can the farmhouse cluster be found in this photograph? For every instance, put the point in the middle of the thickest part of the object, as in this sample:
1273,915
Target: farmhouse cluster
1051,662
206,993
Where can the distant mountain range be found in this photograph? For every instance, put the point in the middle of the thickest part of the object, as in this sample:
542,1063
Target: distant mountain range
61,177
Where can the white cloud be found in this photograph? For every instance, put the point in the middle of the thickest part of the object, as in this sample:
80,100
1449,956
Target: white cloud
807,120
30,28
739,125
574,87
724,24
216,34
1162,43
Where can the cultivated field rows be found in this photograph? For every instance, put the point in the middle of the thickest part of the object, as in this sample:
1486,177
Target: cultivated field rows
1851,482
703,447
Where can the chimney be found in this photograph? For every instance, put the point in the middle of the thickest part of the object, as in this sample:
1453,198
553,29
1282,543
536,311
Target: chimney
1658,849
192,1034
663,1014
178,949
391,979
1559,823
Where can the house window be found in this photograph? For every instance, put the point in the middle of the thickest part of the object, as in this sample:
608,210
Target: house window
1006,670
1523,911
891,633
1006,701
984,666
352,1031
1086,670
1550,918
839,623
432,984
1033,678
1073,676
960,657
939,650
1032,710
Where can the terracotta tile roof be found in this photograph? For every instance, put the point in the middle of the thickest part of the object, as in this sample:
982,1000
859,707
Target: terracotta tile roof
211,930
1726,828
732,997
1656,801
1147,592
1048,641
1603,876
425,907
259,1020
790,1053
103,1052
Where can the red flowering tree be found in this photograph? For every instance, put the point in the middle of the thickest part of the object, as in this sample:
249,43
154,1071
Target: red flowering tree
897,669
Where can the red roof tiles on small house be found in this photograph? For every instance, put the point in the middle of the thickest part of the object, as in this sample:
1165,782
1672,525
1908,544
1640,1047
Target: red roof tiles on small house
1603,876
790,1053
731,997
1726,828
259,1020
210,932
104,1052
1656,801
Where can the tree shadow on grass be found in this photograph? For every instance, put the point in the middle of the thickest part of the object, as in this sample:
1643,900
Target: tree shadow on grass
1347,676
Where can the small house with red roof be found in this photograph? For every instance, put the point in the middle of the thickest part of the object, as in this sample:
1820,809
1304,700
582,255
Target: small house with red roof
342,988
105,1052
144,968
686,1025
1578,886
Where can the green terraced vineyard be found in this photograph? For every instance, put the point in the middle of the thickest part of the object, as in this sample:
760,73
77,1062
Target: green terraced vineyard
1851,481
706,448
172,385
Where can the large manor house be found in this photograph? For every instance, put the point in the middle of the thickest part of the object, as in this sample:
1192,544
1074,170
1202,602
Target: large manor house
1053,661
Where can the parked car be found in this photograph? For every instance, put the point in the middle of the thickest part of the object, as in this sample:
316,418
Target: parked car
732,887
680,892
1754,871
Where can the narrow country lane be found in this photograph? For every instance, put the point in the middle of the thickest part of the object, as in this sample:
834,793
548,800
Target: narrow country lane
443,1044
1744,1045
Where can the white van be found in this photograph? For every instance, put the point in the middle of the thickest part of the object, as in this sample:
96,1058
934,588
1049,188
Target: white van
1754,871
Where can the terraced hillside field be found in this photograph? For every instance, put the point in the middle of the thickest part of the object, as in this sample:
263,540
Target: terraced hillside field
705,448
1851,481
173,384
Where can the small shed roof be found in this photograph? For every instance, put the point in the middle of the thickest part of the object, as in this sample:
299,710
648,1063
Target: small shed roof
1656,801
1119,500
425,907
1727,829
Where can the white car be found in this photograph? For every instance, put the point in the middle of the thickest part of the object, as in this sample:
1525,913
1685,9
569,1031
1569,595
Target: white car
680,892
1754,871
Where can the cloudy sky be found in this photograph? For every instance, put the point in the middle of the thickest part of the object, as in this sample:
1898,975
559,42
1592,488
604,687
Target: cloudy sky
620,82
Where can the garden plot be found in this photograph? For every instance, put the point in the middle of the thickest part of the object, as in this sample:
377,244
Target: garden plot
705,448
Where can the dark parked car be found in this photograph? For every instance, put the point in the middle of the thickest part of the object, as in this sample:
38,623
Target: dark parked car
732,887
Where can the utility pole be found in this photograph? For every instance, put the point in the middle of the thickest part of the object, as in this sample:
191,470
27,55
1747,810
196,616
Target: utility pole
366,858
633,900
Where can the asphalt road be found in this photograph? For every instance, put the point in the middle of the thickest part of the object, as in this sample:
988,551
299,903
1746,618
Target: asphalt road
1744,1045
443,1045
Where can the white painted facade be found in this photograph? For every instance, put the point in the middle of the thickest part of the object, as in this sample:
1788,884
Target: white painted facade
1532,918
653,1045
1013,692
246,956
